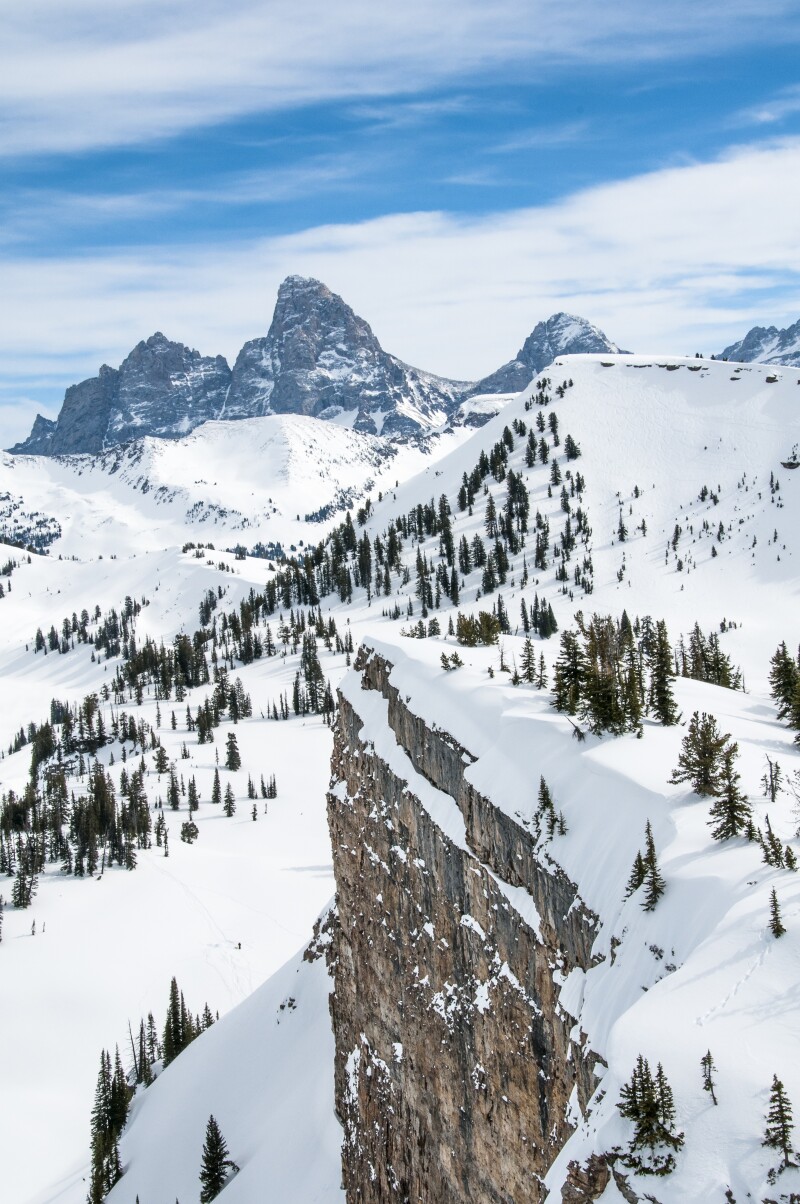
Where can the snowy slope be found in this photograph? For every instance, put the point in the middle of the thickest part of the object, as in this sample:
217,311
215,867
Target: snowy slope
228,482
664,429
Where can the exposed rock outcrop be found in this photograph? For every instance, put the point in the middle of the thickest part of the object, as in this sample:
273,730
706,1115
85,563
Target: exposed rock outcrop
458,1073
162,388
319,357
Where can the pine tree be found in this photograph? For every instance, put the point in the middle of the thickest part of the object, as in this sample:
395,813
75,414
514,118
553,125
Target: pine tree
233,758
702,758
708,1068
778,1131
216,789
731,813
528,661
172,1041
638,875
653,881
230,801
775,919
648,1103
215,1167
661,699
783,678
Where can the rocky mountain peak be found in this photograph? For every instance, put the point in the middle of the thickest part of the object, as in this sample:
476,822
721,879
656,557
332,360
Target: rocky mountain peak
318,358
560,334
767,345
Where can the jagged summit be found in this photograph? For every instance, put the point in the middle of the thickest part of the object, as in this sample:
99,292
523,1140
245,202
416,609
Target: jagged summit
318,358
161,388
767,345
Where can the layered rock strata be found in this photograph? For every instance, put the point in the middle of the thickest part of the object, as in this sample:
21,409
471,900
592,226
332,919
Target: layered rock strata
458,1074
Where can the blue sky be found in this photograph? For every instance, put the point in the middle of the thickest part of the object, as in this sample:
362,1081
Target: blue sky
456,173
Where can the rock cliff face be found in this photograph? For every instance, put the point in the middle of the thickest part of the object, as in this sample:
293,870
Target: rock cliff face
319,358
162,388
457,1071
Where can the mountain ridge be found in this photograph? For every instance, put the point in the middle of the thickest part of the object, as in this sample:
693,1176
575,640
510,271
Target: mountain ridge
767,345
318,358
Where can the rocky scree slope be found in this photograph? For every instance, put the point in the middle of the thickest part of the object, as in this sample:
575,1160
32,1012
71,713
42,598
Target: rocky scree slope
318,359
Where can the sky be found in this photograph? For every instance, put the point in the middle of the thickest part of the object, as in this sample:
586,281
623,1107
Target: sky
457,171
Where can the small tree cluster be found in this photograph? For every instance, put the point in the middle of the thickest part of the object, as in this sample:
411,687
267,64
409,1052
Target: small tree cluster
546,815
647,1101
602,670
645,872
111,1098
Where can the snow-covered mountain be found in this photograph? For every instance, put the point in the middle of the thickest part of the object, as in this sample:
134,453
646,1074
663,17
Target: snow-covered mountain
318,359
494,981
161,388
562,334
260,480
767,345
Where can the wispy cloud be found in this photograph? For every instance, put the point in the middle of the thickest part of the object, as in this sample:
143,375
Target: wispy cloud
775,109
28,213
671,261
542,138
92,74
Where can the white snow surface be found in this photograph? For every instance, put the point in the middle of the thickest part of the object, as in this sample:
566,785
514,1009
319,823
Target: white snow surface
662,428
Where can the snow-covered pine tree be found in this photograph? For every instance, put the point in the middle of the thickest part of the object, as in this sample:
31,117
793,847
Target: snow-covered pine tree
647,1101
708,1068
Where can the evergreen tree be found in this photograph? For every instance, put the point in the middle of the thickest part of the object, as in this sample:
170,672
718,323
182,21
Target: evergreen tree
648,1103
230,801
653,880
702,758
637,876
528,661
778,1132
172,1041
731,812
661,698
708,1068
775,919
783,678
215,1167
216,789
233,758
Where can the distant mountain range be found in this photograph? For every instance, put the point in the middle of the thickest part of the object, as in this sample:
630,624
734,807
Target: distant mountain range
318,358
767,345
